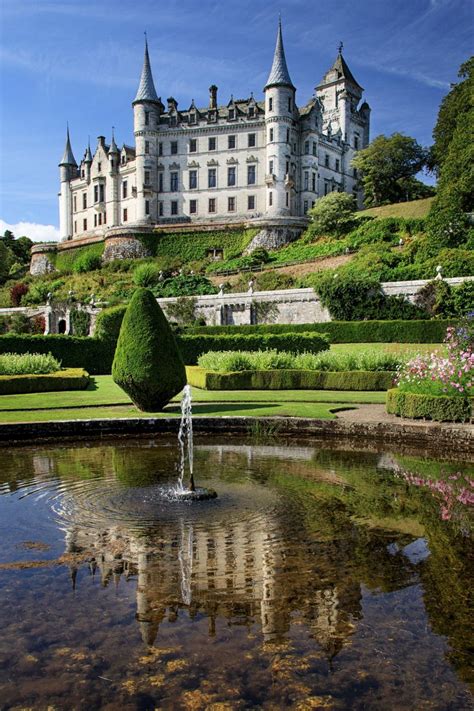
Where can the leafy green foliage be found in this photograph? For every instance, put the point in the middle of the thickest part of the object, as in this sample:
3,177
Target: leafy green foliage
77,259
28,363
70,379
146,275
183,311
432,407
147,364
332,214
388,166
187,247
81,322
108,323
92,354
185,285
14,255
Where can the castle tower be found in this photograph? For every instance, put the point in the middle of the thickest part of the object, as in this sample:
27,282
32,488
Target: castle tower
112,185
88,162
67,171
279,121
147,108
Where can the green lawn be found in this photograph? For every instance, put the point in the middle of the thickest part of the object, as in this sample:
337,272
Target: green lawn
413,208
105,399
410,348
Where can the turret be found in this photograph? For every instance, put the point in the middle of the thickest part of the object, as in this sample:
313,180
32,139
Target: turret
112,187
67,171
88,162
279,120
340,93
147,108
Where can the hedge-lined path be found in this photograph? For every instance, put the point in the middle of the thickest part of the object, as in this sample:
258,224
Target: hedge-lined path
377,413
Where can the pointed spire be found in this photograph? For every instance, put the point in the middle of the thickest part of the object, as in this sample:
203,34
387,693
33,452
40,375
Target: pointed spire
279,74
341,69
113,146
146,89
68,156
88,156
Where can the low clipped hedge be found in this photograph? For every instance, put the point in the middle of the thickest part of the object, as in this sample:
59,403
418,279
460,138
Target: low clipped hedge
431,407
289,380
194,345
349,331
68,379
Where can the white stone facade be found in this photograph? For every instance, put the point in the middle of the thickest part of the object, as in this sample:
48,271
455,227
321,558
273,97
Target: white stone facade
240,161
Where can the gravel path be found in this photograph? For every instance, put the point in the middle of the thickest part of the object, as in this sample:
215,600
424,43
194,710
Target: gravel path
377,413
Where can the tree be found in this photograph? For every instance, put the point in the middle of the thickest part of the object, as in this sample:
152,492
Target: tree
147,363
332,214
388,167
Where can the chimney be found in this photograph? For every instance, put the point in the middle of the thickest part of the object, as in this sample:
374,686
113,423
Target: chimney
172,104
213,96
101,141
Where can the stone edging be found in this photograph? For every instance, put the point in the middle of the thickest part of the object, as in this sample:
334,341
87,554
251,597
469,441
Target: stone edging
430,435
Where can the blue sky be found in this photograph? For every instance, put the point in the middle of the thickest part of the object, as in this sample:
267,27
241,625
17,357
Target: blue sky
80,60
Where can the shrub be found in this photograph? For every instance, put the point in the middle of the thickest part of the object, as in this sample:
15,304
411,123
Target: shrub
332,214
185,285
147,364
463,298
81,321
38,292
28,363
17,292
259,256
436,298
146,275
19,323
94,355
432,407
108,323
86,262
183,311
289,380
273,280
71,379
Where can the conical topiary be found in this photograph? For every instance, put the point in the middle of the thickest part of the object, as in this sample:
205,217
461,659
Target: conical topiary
147,363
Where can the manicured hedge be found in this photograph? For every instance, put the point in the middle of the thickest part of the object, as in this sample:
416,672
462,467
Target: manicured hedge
430,407
193,345
93,355
289,380
349,331
69,379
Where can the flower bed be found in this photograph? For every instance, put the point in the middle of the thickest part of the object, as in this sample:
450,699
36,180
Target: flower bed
68,379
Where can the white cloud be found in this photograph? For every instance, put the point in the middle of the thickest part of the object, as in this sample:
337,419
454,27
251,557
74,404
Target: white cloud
38,233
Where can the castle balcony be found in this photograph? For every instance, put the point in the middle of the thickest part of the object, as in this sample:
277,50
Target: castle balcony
289,181
270,179
147,188
99,206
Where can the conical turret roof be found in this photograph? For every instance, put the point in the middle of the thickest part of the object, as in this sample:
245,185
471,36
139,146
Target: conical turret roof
88,155
68,155
279,74
146,89
113,146
339,71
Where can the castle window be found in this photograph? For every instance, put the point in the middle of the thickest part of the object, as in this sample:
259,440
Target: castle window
84,225
193,179
338,164
192,117
252,141
315,149
193,207
147,118
100,218
83,174
173,120
174,207
270,138
270,104
287,199
99,167
96,194
251,112
160,149
356,142
212,204
270,167
251,175
231,114
174,182
75,226
105,218
74,204
174,148
147,177
313,182
355,173
212,144
147,147
124,159
160,182
160,209
147,207
95,220
270,198
124,189
211,178
125,215
251,202
326,160
306,148
305,207
231,204
289,103
306,180
193,145
101,192
287,167
326,187
230,141
231,176
84,201
287,135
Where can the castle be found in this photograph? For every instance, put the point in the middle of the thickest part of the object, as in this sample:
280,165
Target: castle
258,162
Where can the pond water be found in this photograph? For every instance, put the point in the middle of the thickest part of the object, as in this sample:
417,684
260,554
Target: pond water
320,578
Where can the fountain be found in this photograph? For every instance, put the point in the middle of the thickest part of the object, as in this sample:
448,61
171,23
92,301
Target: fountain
185,440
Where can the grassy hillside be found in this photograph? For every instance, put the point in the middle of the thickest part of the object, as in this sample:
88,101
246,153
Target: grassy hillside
413,209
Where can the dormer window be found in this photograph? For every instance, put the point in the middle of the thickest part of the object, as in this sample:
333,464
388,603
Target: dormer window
212,116
231,114
173,121
192,117
124,159
251,111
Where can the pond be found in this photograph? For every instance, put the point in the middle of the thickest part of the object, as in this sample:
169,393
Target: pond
319,578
